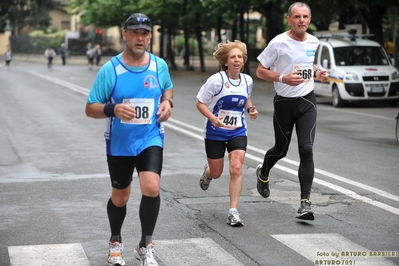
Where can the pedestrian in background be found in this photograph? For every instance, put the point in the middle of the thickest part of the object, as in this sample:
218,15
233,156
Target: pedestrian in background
89,51
97,52
8,57
390,48
50,54
288,62
133,91
223,100
62,51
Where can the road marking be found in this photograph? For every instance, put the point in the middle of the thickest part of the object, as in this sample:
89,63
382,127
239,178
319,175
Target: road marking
342,190
48,255
329,185
360,114
61,82
333,249
196,251
321,249
193,252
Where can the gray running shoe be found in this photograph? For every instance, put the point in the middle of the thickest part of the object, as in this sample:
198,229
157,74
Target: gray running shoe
115,254
305,211
145,255
234,219
262,185
204,184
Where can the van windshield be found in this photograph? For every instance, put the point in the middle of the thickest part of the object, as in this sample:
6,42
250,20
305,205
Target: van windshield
360,56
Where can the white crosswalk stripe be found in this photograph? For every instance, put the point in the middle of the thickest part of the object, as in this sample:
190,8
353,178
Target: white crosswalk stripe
320,249
46,255
194,252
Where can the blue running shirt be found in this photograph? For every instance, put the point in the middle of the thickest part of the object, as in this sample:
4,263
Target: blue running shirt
141,87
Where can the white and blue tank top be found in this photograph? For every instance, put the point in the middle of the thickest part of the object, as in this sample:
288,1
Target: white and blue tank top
226,99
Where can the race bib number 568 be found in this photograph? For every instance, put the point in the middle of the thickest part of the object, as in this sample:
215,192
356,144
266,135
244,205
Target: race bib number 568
305,70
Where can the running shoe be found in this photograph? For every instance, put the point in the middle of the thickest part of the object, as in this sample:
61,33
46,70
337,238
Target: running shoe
234,219
115,254
204,184
262,184
145,255
305,210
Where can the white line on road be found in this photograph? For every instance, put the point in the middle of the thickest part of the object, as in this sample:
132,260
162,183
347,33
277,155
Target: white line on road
48,255
196,251
61,82
342,190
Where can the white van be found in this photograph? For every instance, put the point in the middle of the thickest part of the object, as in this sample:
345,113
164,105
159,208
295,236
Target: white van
359,70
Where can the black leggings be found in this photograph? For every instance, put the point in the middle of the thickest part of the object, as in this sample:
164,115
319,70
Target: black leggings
301,112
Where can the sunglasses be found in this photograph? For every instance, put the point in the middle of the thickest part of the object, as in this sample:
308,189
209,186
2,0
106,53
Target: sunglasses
138,21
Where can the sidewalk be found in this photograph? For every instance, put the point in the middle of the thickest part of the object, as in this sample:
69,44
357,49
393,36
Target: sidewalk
211,64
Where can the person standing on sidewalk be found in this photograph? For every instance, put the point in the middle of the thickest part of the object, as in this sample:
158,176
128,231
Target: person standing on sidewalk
62,51
133,91
223,100
288,62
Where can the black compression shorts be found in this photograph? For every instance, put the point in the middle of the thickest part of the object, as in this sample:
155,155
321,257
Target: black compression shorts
215,149
121,168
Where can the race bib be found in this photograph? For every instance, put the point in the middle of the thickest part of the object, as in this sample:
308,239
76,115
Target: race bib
305,70
232,119
144,110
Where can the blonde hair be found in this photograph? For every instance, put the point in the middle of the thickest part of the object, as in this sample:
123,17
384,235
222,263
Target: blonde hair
223,49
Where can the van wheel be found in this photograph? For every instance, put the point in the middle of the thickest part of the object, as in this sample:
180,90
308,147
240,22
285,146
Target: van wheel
336,98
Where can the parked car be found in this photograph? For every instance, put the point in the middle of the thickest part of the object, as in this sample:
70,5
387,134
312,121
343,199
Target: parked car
359,70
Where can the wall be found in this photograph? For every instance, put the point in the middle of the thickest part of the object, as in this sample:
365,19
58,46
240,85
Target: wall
4,41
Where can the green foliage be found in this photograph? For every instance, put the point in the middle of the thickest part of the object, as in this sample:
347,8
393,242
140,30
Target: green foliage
26,14
188,18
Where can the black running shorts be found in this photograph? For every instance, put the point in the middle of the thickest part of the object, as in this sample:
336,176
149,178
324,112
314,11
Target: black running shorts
121,168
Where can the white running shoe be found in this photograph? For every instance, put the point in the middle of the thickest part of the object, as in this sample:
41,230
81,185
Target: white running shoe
115,254
146,255
234,219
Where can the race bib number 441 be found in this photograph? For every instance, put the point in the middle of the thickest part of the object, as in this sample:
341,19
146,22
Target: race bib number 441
144,110
232,119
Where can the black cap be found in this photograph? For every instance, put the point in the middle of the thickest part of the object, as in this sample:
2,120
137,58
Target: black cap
138,21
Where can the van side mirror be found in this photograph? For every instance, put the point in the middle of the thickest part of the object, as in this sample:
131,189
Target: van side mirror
325,64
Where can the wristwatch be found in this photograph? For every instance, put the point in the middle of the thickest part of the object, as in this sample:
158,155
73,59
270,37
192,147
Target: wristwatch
170,101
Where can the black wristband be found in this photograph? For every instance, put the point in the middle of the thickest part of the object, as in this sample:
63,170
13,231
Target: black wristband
109,109
315,75
249,109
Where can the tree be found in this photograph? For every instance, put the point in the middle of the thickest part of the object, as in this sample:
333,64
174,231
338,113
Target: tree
194,17
24,14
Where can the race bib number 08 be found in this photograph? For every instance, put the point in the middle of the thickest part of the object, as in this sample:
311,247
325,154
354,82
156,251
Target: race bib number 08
144,110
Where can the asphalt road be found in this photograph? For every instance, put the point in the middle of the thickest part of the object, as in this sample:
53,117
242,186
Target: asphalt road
54,182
